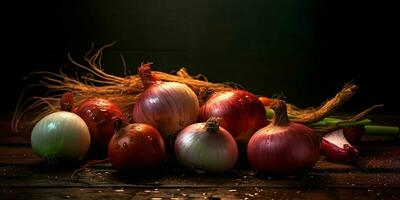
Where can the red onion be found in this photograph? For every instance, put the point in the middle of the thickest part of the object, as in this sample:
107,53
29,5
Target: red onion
353,134
337,148
100,115
136,147
206,146
282,146
168,106
241,113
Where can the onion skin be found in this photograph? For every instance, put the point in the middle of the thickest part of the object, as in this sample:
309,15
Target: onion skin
136,147
61,135
241,113
167,106
100,116
283,147
210,149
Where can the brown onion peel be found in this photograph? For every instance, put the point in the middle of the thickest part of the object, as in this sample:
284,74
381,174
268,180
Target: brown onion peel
336,147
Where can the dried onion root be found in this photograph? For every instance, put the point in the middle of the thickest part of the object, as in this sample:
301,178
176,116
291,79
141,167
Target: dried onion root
123,91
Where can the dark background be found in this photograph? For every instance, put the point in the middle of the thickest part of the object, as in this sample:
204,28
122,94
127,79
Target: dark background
306,49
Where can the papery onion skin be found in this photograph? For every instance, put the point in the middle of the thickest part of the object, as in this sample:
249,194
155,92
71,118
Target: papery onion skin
168,106
136,147
61,135
100,115
212,150
283,148
241,113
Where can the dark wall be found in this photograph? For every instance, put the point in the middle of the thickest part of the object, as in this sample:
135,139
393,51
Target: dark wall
304,49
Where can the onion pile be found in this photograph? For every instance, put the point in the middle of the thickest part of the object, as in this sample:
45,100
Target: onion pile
167,106
283,147
241,113
206,146
164,109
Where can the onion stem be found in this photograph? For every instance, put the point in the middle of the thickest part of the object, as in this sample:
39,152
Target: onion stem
381,130
340,123
356,123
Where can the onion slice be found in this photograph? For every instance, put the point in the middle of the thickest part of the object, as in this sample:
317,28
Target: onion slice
337,148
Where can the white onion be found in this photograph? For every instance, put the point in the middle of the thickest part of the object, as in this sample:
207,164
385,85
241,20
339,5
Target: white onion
61,135
206,146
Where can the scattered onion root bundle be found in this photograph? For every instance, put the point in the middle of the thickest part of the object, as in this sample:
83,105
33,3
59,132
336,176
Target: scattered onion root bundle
123,91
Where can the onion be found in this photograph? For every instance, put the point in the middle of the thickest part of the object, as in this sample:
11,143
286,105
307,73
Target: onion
283,147
241,113
337,148
100,116
168,106
136,147
206,146
353,134
61,135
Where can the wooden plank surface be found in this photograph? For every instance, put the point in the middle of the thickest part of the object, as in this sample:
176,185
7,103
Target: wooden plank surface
200,193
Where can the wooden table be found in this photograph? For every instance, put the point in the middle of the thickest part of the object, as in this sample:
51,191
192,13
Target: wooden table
375,175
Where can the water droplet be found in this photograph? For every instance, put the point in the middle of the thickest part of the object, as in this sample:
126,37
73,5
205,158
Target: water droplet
248,194
119,190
